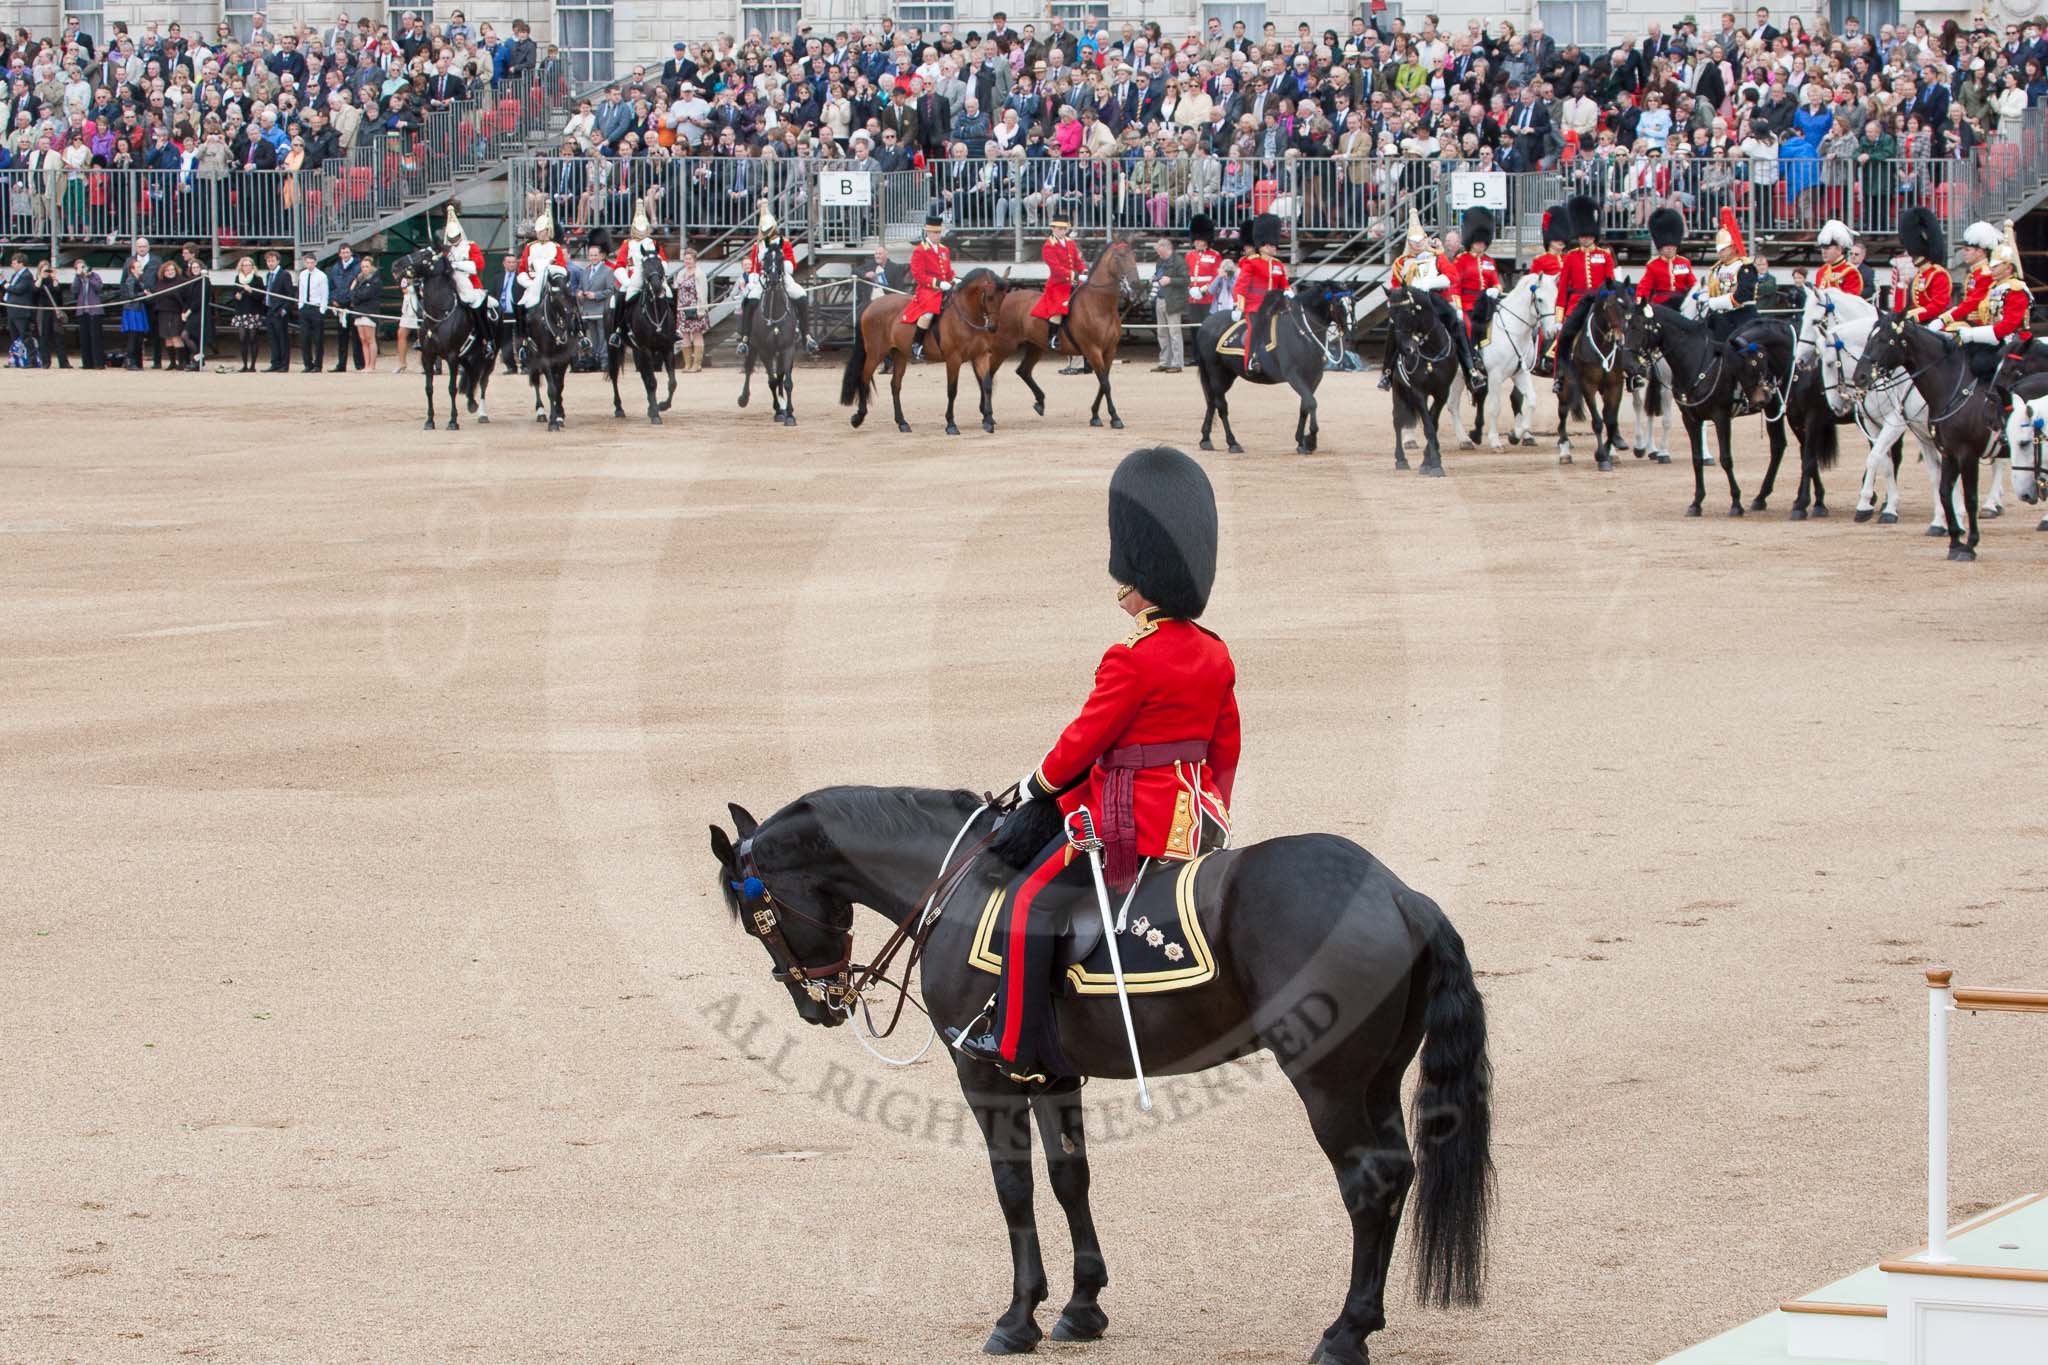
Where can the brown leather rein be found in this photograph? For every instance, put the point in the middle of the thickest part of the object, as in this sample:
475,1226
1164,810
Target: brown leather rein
842,983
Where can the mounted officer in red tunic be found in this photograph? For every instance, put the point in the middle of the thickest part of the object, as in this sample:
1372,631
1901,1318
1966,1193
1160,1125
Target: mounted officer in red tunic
931,270
1588,268
1837,271
1152,754
1668,278
1475,276
1921,285
1065,268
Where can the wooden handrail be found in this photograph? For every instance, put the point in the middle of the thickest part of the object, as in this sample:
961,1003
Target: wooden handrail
2006,1001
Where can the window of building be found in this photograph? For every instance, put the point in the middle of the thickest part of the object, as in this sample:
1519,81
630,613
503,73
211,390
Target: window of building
584,32
88,13
770,19
240,16
1081,15
925,18
1576,21
1253,17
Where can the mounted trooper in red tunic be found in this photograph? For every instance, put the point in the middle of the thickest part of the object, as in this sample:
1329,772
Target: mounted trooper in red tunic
931,274
1065,268
1152,755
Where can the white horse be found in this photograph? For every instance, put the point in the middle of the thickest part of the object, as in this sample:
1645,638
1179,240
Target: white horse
2026,435
1514,340
1835,325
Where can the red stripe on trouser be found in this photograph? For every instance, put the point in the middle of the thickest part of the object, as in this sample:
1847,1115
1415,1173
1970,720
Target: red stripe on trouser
1014,984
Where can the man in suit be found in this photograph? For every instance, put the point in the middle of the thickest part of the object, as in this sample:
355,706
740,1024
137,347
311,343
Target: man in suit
614,117
444,87
518,58
1542,48
1529,125
341,282
678,69
934,122
278,294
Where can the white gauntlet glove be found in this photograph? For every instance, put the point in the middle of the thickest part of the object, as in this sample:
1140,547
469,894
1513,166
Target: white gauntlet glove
1981,336
1721,303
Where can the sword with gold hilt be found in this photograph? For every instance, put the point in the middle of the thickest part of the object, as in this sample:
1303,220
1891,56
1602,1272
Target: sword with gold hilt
1081,834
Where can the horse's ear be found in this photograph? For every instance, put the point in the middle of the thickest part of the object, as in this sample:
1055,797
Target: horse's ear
721,847
741,821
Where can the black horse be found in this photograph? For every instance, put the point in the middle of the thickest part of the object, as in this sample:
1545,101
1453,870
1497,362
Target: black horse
448,336
1717,382
650,330
1322,956
1597,375
775,337
1423,358
1966,415
1809,413
550,345
1303,347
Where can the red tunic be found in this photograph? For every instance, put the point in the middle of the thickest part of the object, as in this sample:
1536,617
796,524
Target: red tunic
1063,261
1203,268
623,258
754,256
1839,275
476,256
1927,298
1665,280
1257,277
1586,270
1171,682
1471,276
931,265
1549,263
1973,297
2008,302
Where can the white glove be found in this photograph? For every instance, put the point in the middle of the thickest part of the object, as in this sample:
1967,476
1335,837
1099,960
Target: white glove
1288,291
1903,266
945,285
1494,292
1081,278
1024,788
1720,303
1195,295
1981,336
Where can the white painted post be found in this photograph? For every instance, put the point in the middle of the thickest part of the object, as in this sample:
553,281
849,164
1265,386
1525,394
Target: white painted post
1938,1008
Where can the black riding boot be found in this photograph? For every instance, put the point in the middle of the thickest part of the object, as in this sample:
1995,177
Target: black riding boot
1022,1012
746,323
613,330
1053,328
1475,373
917,342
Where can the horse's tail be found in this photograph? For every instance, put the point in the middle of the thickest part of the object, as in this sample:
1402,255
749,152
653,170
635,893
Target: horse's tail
1653,403
853,385
1819,440
1453,1120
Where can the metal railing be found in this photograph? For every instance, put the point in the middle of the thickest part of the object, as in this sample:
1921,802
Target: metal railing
63,210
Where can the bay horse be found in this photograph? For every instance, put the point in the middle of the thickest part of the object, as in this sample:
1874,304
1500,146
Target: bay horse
1095,326
1322,956
1709,386
448,336
1966,416
1300,353
965,333
550,345
1600,367
775,336
651,332
1425,367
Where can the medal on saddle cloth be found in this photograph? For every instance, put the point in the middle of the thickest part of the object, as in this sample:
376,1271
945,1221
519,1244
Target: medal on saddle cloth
1163,945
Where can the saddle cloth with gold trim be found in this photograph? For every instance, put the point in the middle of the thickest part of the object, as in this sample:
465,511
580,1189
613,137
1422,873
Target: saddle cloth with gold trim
1162,947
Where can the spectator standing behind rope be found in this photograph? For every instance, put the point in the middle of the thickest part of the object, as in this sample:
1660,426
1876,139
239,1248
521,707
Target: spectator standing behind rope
87,308
278,292
1169,305
135,324
363,297
50,318
19,294
341,278
169,307
313,291
245,309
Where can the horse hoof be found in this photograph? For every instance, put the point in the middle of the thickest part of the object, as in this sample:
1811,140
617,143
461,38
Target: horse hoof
1864,514
1734,509
1564,459
790,420
903,427
1432,471
1039,407
1888,519
1961,554
2043,526
952,430
1206,445
1464,443
1081,1324
1820,509
619,413
743,400
989,427
430,424
1756,504
1937,531
654,419
1990,513
1002,1343
1693,510
483,421
1116,424
1094,421
856,419
1661,459
1604,466
1328,1352
1799,514
1401,462
1640,452
1236,449
1303,450
454,425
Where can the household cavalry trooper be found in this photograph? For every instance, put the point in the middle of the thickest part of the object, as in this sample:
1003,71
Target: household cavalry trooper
1980,239
1423,268
931,272
1836,271
1551,262
1668,278
629,268
1262,286
1588,268
1205,265
768,237
1152,754
1475,276
466,264
1998,324
1921,286
538,260
1065,268
1731,281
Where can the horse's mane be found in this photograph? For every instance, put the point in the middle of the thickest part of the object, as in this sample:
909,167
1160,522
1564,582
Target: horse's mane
818,822
973,276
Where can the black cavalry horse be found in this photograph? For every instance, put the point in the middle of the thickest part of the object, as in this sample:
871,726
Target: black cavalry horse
774,338
1965,414
1712,380
1423,359
1323,956
1597,375
550,345
650,328
1297,358
448,336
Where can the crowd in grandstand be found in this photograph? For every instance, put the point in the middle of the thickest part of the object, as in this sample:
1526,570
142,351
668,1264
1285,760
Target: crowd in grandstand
1017,124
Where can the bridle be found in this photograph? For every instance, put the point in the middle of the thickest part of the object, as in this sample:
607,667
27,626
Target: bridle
1411,339
1896,327
1333,352
1527,362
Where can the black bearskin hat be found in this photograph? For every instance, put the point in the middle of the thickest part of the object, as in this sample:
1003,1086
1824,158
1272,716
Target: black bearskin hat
1476,227
1920,235
1162,530
1266,230
1667,227
1554,225
1583,214
1201,229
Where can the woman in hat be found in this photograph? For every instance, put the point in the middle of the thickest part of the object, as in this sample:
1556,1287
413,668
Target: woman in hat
1152,755
931,270
1065,268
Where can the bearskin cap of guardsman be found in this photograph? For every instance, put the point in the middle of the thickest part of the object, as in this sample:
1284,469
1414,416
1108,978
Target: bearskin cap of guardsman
1554,226
1667,227
1920,235
1201,228
1476,227
1584,212
1162,530
1265,231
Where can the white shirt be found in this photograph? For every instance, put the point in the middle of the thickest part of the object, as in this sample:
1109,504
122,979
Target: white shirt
313,289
